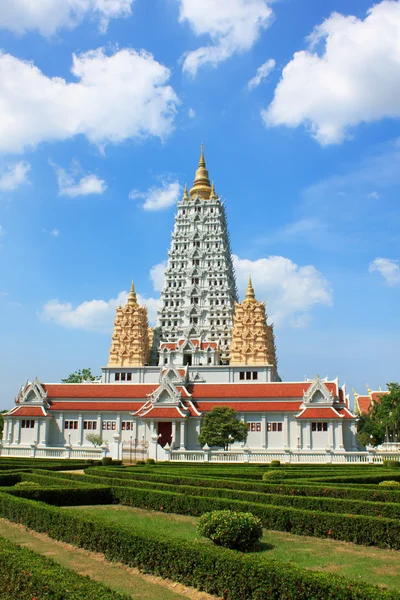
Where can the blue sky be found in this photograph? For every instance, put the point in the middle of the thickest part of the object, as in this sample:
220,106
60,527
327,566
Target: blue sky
103,106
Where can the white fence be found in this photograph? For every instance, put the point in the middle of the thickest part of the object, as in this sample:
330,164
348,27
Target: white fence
284,457
64,452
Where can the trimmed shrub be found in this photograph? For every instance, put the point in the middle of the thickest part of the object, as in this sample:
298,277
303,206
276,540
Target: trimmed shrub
275,463
27,484
140,462
150,461
389,483
392,464
106,461
26,575
235,530
272,475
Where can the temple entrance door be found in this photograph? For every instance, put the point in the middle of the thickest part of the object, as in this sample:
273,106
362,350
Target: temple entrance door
165,432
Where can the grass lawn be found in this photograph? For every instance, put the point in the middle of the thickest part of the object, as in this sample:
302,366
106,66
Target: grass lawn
370,565
114,575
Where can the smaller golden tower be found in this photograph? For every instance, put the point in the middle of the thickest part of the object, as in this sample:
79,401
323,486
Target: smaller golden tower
253,341
130,344
201,185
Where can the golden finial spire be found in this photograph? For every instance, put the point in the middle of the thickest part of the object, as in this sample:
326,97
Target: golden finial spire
185,193
250,296
213,192
132,300
201,185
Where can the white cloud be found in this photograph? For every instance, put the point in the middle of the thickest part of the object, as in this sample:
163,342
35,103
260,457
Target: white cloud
389,269
291,291
92,315
374,195
117,97
48,16
355,79
2,231
261,74
14,175
158,198
157,275
233,26
72,185
55,232
191,113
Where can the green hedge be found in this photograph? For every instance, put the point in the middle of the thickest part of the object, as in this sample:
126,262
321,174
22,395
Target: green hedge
26,575
65,496
276,488
224,573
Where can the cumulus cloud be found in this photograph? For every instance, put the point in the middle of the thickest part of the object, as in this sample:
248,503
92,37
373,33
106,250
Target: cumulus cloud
191,113
157,275
14,175
72,185
291,291
355,77
55,232
233,26
158,198
48,16
261,74
389,269
92,315
116,97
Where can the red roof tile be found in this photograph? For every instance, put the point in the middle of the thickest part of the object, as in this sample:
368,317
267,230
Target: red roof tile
319,413
28,411
96,406
345,413
99,390
252,390
163,413
364,403
251,406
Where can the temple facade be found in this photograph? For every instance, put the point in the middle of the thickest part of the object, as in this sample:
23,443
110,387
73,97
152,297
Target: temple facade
207,349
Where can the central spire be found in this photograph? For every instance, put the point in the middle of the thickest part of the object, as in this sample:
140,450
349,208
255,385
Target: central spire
132,299
201,185
250,296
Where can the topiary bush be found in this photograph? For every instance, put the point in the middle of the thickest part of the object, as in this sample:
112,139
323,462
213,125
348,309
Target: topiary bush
275,463
391,464
235,530
389,483
106,461
150,461
140,462
27,484
271,475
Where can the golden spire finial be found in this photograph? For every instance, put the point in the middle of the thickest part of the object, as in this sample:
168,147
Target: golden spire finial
213,193
185,193
132,300
201,185
250,296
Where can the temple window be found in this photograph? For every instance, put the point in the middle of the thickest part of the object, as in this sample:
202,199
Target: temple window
255,375
241,375
70,424
116,376
89,424
129,376
253,426
27,424
109,425
274,426
127,425
248,374
319,426
123,376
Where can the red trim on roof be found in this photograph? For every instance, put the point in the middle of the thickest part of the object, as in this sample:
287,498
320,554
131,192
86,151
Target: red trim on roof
28,411
345,413
96,406
99,390
319,413
253,390
163,413
252,406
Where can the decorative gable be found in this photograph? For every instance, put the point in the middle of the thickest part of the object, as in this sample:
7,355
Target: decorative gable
318,393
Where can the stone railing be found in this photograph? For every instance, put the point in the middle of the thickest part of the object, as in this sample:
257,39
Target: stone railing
67,451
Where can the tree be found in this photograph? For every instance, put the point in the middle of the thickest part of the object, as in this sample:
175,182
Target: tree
383,419
80,376
2,422
95,439
221,428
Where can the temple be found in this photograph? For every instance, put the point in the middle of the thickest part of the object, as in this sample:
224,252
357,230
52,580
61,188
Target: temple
207,349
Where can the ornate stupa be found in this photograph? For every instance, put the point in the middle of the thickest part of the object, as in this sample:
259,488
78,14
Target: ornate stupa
253,341
130,340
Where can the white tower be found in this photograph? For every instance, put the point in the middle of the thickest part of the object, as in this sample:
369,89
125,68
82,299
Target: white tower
197,302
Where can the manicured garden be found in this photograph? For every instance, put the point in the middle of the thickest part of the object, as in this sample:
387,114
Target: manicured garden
330,531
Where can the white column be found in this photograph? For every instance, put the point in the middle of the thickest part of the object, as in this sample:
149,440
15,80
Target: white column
330,435
309,434
16,430
99,424
36,430
62,430
5,431
173,436
264,430
339,435
44,432
80,429
182,436
299,441
286,436
11,432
